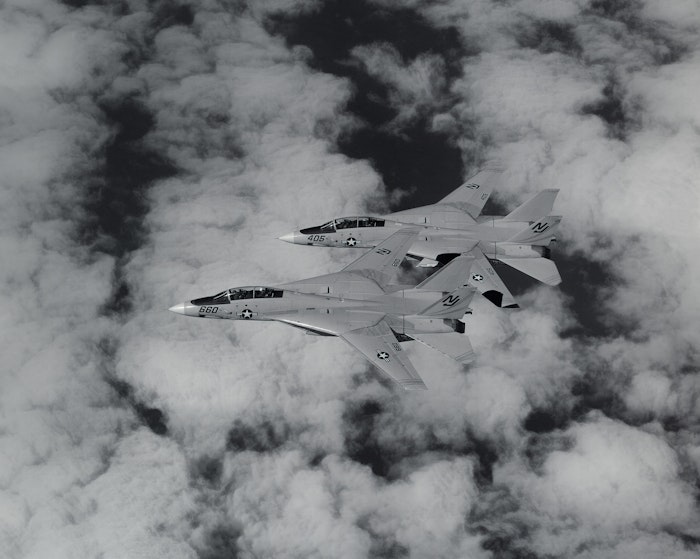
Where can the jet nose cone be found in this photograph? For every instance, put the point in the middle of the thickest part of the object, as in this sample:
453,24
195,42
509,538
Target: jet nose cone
179,308
288,238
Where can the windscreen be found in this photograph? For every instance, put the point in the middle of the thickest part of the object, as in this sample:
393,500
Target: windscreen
218,299
325,228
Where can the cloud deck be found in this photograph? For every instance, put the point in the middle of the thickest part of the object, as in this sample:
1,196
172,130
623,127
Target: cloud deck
150,152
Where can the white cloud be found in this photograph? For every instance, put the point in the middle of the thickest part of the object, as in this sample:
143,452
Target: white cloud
142,502
650,392
426,512
495,405
287,508
684,14
59,420
630,202
616,475
613,477
252,131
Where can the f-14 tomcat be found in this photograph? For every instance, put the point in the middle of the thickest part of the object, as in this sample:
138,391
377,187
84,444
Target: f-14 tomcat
454,226
362,305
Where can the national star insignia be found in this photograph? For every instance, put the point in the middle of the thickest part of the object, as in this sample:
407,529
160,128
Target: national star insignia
247,314
383,355
351,242
477,277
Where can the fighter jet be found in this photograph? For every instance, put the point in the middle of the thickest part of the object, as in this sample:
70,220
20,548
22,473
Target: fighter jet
454,226
362,305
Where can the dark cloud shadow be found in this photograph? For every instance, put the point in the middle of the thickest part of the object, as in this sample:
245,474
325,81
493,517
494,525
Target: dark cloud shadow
498,518
207,468
263,437
151,417
423,163
360,441
117,199
366,423
586,282
613,110
382,546
541,421
548,36
222,542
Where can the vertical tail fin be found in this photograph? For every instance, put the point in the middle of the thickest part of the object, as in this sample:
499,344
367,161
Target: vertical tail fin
539,232
452,305
537,206
452,280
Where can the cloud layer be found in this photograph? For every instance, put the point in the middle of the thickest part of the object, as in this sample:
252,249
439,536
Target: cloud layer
152,153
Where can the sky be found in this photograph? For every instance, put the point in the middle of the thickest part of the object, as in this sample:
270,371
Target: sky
151,153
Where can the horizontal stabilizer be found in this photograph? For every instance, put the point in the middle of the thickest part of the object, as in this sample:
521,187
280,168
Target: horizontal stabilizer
449,278
540,232
541,269
451,344
485,279
537,206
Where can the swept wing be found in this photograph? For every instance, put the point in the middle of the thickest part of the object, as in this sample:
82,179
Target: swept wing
474,193
382,263
374,339
379,345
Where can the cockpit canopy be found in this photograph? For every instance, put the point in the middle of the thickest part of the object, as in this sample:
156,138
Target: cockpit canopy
344,223
237,293
253,293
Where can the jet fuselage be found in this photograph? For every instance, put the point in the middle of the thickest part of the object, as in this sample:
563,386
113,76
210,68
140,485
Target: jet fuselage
339,307
442,232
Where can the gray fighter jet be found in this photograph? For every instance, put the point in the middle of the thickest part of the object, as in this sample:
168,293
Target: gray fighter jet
454,226
362,305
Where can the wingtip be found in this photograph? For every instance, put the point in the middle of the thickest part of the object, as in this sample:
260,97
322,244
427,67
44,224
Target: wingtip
466,358
414,385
